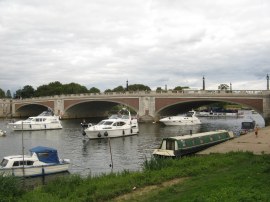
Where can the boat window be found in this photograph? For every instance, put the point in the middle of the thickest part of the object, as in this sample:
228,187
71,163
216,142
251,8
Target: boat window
183,143
101,123
4,162
201,140
29,163
42,155
107,123
44,119
16,163
170,145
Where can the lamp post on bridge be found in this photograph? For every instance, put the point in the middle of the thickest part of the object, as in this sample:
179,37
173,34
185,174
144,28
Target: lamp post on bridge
267,78
127,86
203,88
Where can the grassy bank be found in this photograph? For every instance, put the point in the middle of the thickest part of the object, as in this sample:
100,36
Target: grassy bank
216,177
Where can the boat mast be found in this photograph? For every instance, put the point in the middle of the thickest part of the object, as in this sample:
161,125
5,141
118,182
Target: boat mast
23,150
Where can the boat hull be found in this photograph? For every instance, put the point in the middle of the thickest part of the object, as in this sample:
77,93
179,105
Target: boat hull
33,126
181,123
111,133
33,171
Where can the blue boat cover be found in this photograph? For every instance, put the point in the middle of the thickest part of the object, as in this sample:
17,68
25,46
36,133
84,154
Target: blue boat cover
46,154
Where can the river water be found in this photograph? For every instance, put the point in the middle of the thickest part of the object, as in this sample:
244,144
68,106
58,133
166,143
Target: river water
94,156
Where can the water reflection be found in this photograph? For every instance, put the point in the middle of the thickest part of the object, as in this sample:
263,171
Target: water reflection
94,156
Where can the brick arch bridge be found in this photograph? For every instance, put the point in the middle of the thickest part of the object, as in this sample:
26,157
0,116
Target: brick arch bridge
148,105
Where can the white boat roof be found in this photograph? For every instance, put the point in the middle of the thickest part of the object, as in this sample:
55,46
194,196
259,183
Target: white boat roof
196,135
18,157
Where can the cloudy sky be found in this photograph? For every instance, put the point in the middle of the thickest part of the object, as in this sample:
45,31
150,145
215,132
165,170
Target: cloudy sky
103,43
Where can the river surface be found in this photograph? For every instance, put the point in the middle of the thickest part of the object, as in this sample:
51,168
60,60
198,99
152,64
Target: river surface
94,157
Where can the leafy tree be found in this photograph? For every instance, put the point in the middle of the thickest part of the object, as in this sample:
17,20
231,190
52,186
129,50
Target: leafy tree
8,94
181,87
158,89
2,93
53,88
18,94
108,91
138,87
223,87
119,89
73,88
94,90
27,91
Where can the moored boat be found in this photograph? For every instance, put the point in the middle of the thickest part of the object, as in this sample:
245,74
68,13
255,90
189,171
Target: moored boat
44,121
189,144
2,133
118,125
247,126
189,119
220,113
42,161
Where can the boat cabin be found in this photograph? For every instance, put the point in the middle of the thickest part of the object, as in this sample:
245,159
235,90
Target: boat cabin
189,144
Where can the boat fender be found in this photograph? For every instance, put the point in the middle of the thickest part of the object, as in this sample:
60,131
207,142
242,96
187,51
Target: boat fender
99,135
106,133
30,126
123,132
131,131
83,133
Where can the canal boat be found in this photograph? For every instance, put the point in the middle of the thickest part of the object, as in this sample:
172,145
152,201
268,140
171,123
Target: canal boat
42,161
220,113
247,126
189,144
44,121
117,125
188,119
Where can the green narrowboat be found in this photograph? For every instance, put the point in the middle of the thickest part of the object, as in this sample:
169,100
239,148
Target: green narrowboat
179,146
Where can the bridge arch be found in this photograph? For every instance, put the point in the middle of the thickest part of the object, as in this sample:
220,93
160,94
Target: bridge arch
178,106
91,108
30,109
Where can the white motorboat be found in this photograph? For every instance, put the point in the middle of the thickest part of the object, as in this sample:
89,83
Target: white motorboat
2,133
119,125
220,113
45,121
189,119
42,161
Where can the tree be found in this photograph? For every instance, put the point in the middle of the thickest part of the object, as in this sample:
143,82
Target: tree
108,91
2,93
8,94
138,87
94,90
73,88
119,89
159,89
27,91
181,87
18,94
223,87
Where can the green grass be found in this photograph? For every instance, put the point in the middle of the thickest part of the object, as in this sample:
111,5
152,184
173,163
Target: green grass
216,177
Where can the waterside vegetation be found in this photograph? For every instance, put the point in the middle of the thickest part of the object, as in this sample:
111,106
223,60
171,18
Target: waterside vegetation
217,177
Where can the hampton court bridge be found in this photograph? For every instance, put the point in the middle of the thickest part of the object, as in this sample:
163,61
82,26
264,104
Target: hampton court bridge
149,105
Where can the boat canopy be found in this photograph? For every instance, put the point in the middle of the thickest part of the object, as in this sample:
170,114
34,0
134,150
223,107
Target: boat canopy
46,154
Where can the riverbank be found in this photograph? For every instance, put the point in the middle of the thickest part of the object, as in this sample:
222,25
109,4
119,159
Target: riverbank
240,176
249,142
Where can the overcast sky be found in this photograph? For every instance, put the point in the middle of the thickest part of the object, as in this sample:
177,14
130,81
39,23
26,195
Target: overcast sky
104,43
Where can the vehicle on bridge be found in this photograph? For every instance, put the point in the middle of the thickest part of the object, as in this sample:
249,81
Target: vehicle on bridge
45,121
189,119
189,144
117,125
